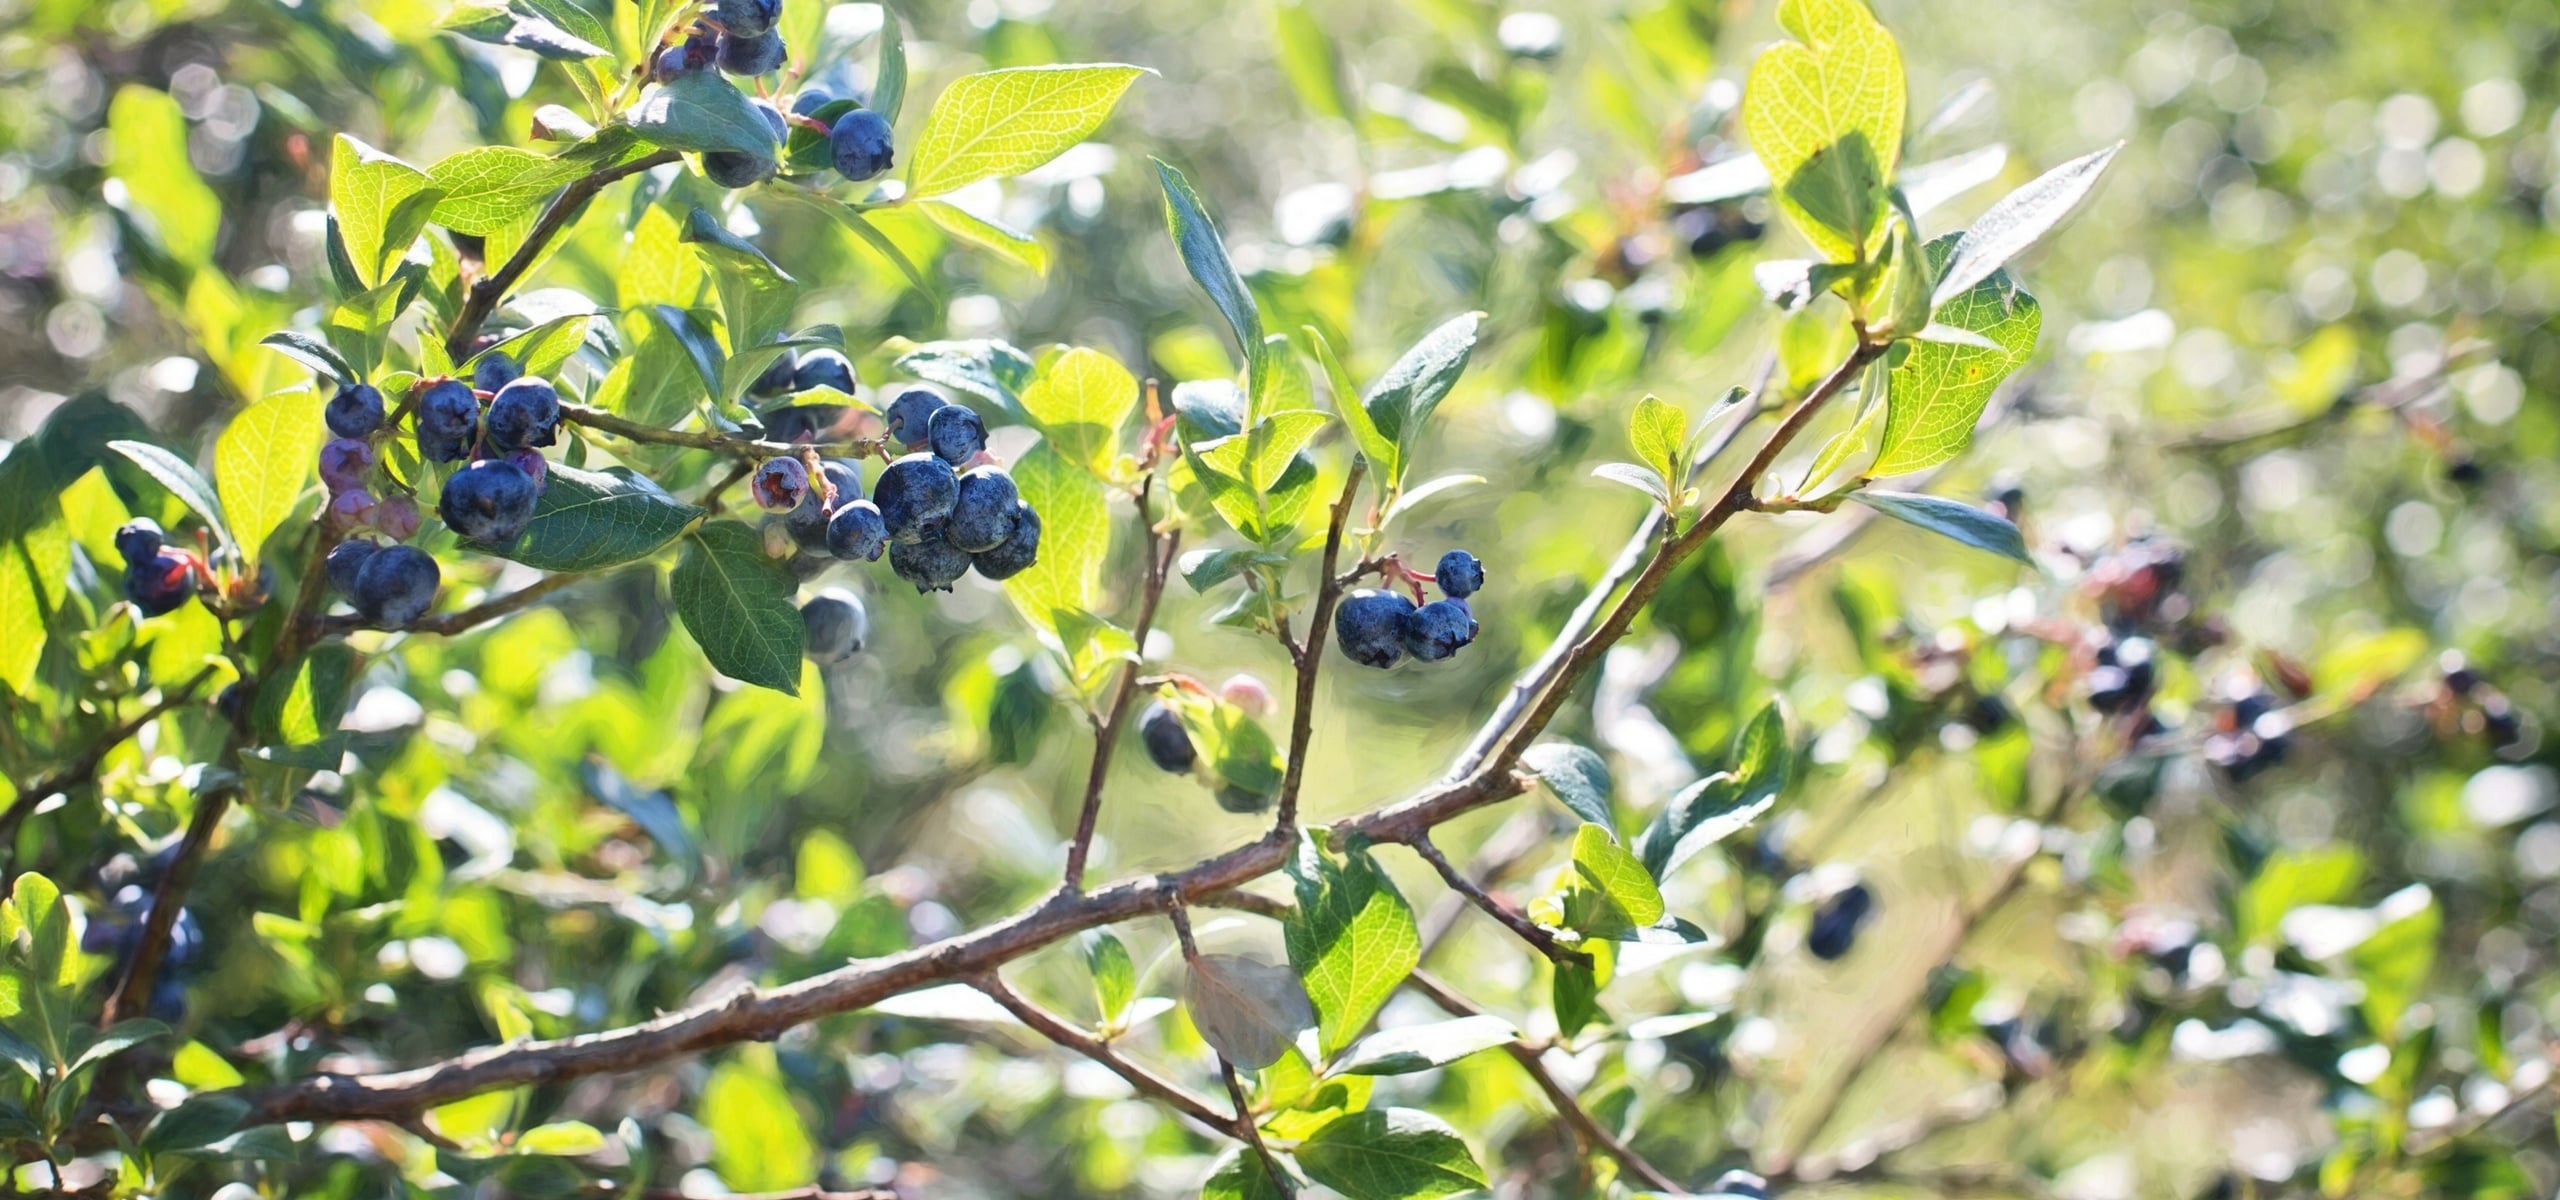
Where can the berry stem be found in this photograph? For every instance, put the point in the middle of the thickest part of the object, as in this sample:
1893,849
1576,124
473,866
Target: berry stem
1538,937
1055,1028
486,293
1310,658
1106,734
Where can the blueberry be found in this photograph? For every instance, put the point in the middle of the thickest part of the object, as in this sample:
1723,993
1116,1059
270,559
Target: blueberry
1740,1184
232,702
914,492
773,118
810,100
1370,625
345,560
746,18
138,539
344,462
1019,550
911,414
845,476
759,53
488,501
349,509
396,517
1836,922
807,523
671,63
863,146
355,412
1460,575
448,421
779,484
957,432
1438,629
982,518
932,564
396,585
777,378
736,168
836,625
168,1003
1168,743
162,582
804,422
2123,677
525,414
531,462
493,370
823,368
857,532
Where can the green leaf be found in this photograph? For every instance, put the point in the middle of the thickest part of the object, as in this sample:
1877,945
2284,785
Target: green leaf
542,350
264,460
35,559
1075,539
565,1138
17,1053
1422,1047
1642,479
1659,432
1860,435
2018,220
702,112
700,347
739,606
1391,1154
1717,807
1205,569
501,25
1626,892
305,712
989,369
1575,988
1413,497
1115,978
1352,939
998,123
863,228
125,1035
2292,878
1079,404
1257,480
182,480
149,156
1204,254
1576,775
1953,519
1314,67
590,520
367,189
1939,388
313,353
1824,114
1401,401
1380,449
889,82
1004,241
1248,1010
488,188
2393,963
1241,1175
198,1122
758,1141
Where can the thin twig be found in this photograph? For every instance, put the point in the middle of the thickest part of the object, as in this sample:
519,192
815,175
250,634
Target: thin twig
1049,1025
739,447
488,292
1539,938
1310,656
462,620
1106,735
1245,1126
84,768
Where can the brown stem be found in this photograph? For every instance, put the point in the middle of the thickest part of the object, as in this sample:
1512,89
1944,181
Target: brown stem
1106,734
1539,938
85,768
1310,657
1252,1132
1049,1025
486,293
634,431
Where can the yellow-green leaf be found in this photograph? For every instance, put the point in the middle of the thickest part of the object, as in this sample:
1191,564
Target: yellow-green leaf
999,123
758,1141
1659,431
1075,537
262,463
1003,241
1079,403
1938,390
1824,113
150,158
367,187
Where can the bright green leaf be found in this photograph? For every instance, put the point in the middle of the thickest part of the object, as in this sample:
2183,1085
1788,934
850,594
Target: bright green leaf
1391,1154
1079,403
999,123
739,606
590,520
1824,114
1939,389
366,190
149,157
1351,937
264,461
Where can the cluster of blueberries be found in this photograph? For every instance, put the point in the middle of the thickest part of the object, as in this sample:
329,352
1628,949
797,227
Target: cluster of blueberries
157,577
738,36
1378,628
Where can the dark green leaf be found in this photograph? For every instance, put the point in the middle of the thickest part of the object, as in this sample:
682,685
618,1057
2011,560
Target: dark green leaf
182,480
1351,937
1576,775
313,353
200,1121
1717,807
1400,401
500,25
1204,254
590,520
702,349
1391,1154
1205,569
738,605
889,81
702,112
124,1036
986,368
1948,518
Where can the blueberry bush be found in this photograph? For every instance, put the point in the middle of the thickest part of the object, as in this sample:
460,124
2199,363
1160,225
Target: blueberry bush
570,626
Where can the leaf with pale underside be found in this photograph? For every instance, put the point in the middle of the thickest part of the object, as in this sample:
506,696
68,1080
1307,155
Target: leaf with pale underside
1248,1010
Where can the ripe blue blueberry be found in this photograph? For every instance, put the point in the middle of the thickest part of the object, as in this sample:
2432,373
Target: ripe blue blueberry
1836,922
933,565
856,532
810,100
1019,551
448,421
396,584
355,412
914,492
807,523
736,168
1460,575
862,144
488,501
344,462
777,377
138,539
1168,743
494,370
1239,799
746,18
1370,625
1438,629
345,560
823,368
162,582
910,416
531,462
672,63
753,54
836,625
957,432
779,484
804,422
525,414
982,518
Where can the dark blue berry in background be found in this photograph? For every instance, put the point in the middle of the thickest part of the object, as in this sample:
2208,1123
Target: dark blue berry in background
776,379
810,100
396,585
355,412
525,414
345,560
1021,548
488,501
856,532
736,169
933,565
448,420
138,539
914,492
1460,575
494,370
1237,799
761,54
862,145
957,432
746,18
673,62
1370,625
344,462
2123,677
1439,629
1740,1185
804,422
911,414
160,583
1836,922
836,625
1168,743
779,484
982,518
823,368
